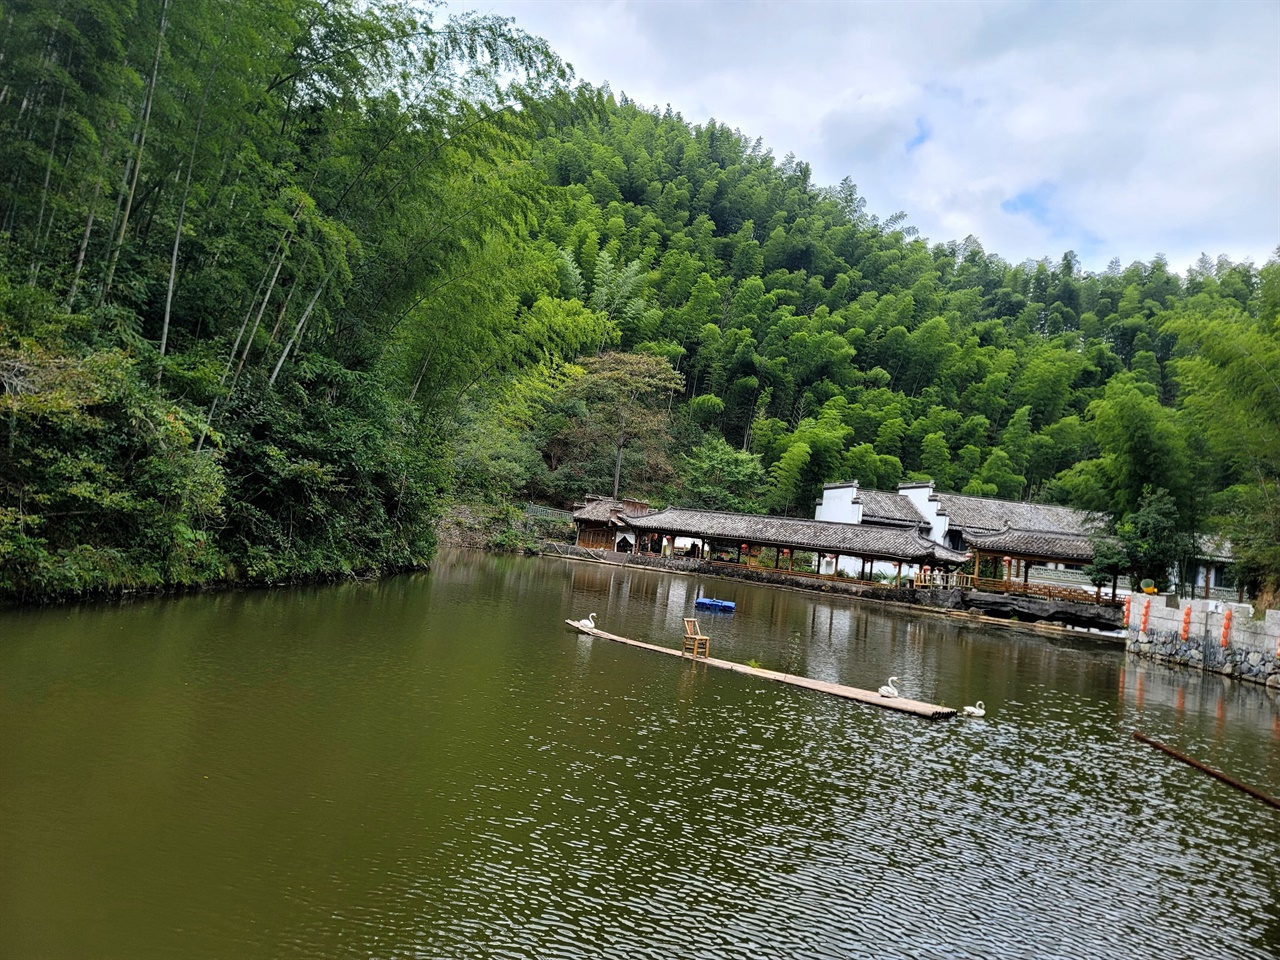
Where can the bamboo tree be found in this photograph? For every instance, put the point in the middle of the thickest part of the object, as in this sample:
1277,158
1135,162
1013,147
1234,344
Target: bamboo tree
297,330
182,210
135,160
88,229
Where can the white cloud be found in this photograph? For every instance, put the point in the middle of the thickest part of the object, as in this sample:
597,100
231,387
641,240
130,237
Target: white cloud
1111,129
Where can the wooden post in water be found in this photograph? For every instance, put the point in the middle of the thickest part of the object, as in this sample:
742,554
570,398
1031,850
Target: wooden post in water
1207,769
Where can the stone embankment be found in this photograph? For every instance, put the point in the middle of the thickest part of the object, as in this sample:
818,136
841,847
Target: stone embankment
1210,635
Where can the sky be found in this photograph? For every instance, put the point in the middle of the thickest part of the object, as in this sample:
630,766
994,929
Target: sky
1112,129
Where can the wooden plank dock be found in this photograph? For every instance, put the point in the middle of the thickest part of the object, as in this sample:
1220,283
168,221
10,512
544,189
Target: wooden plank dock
930,711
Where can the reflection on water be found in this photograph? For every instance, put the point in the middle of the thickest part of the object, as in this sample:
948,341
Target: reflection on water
433,766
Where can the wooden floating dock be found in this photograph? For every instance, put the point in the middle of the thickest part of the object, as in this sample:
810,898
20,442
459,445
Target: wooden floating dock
901,704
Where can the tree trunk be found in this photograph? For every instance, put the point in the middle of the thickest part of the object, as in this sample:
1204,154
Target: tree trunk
297,331
48,175
182,212
231,357
88,230
137,160
280,314
617,469
266,297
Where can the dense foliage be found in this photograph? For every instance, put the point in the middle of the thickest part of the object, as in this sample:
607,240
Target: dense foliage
251,257
278,280
831,345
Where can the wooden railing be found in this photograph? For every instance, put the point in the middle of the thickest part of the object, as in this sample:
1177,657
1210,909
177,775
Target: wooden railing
551,513
1044,590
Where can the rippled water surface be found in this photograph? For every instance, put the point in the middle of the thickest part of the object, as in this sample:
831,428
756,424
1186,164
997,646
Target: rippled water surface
433,766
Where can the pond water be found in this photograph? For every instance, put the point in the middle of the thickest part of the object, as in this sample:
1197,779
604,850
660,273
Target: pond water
434,766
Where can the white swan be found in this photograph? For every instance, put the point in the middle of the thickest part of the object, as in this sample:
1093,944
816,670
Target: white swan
979,711
889,690
589,622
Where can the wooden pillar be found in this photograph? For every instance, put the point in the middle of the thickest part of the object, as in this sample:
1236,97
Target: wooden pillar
1026,572
1206,582
862,575
977,563
791,559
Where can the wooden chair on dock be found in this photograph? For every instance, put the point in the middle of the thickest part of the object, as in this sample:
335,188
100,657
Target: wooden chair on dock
695,642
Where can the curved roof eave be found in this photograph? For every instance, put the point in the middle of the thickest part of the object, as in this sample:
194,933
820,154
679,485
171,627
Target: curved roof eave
819,536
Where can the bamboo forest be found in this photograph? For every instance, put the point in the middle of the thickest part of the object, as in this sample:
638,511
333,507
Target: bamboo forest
282,284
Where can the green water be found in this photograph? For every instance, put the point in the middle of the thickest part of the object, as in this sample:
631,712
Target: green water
433,766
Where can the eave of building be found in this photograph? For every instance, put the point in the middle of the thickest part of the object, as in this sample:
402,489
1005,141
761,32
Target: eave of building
1033,545
853,540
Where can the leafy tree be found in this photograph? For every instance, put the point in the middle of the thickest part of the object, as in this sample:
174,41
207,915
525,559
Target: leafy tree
997,477
935,459
715,476
1253,528
1110,559
787,477
1141,445
1229,373
624,399
1153,543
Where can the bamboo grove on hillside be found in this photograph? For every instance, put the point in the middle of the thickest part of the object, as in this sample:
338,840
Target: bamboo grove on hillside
277,281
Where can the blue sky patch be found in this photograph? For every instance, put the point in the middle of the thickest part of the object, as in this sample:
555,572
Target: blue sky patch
1037,205
924,133
1034,205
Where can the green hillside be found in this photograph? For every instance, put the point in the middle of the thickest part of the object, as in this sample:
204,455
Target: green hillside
276,285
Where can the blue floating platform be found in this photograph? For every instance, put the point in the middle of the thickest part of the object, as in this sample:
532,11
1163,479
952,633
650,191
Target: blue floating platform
710,603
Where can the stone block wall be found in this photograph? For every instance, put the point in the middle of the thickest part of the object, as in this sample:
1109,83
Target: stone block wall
1252,650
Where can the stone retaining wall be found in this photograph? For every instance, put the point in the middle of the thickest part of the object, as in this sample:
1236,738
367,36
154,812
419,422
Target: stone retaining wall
1251,650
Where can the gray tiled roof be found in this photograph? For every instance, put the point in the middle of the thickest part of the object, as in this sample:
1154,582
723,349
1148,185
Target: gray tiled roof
1033,543
604,509
1214,548
880,506
846,538
976,516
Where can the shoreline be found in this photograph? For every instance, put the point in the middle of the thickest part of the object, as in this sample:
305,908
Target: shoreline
1050,629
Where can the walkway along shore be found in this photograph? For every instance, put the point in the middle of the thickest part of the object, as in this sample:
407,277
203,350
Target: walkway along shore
901,704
